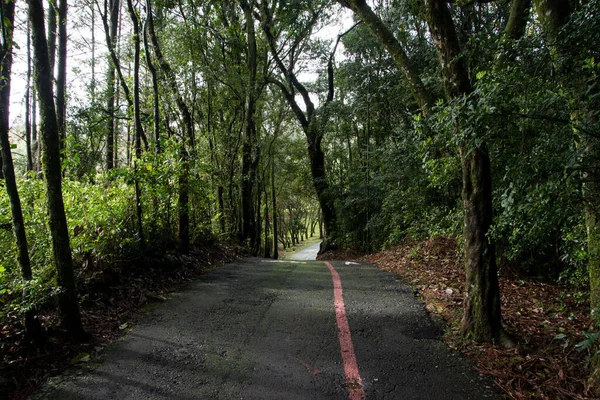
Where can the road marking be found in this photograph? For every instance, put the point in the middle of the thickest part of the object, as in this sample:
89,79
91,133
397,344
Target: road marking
353,380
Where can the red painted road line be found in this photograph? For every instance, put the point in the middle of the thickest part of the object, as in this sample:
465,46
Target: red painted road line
353,380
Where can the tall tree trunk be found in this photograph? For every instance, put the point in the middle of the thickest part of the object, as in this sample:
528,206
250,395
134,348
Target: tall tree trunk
258,228
93,61
32,324
52,30
514,29
553,14
183,207
138,129
267,249
117,122
221,209
481,314
317,169
152,70
114,6
274,200
28,103
249,225
61,75
481,319
67,294
37,142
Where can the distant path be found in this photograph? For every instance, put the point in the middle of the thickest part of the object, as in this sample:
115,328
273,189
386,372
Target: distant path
309,253
264,329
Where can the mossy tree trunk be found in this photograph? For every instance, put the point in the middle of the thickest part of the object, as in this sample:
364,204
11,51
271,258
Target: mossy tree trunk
61,248
481,313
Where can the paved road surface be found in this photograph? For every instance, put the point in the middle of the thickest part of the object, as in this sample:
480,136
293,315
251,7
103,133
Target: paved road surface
264,329
309,253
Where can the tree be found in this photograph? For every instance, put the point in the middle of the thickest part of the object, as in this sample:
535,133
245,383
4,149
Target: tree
156,109
61,76
187,142
117,65
7,10
249,160
313,121
481,318
137,119
111,39
554,16
67,295
28,138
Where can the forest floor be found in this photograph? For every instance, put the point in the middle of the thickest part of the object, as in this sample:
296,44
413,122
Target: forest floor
547,320
112,298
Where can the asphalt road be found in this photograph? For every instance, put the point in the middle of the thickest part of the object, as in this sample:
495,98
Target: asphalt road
308,253
262,329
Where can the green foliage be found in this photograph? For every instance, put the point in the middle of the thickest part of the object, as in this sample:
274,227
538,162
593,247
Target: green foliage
536,114
102,224
591,339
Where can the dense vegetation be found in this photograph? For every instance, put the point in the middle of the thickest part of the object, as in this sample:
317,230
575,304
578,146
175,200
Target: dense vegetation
269,121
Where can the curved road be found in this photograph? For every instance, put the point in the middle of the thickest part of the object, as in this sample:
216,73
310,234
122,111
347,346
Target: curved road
264,329
308,253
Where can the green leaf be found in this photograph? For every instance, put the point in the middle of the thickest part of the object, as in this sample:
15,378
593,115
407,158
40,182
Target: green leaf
13,146
560,336
588,342
81,357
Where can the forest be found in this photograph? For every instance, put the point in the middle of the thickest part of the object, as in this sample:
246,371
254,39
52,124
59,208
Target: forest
146,130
